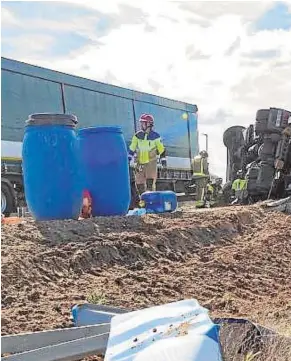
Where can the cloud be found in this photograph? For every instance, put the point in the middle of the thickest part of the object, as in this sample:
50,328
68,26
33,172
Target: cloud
263,54
195,54
233,47
52,16
33,46
215,9
7,18
213,56
49,29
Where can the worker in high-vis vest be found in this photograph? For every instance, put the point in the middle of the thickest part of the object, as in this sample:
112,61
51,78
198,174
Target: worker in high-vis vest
147,145
209,194
200,176
239,187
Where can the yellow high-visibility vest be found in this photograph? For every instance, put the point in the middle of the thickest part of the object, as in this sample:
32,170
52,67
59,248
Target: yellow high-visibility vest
197,164
210,188
146,146
239,184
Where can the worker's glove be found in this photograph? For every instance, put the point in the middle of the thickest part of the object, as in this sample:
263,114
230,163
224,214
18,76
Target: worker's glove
131,160
139,168
164,162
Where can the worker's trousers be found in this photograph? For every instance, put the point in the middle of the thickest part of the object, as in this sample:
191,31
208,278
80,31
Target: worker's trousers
201,183
240,195
146,176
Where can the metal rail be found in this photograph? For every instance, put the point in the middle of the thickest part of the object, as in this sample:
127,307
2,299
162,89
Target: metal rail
29,341
73,344
67,351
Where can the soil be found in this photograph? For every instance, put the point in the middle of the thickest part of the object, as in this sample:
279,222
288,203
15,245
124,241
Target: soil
234,261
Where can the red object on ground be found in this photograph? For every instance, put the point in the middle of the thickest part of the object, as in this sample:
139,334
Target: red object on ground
87,205
86,194
11,220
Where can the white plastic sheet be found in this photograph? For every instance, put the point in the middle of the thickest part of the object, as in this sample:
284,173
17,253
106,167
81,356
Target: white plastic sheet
177,331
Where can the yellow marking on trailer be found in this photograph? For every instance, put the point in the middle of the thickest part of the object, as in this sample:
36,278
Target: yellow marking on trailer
11,158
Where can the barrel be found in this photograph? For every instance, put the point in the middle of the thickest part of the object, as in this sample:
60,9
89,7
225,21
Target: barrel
105,170
51,167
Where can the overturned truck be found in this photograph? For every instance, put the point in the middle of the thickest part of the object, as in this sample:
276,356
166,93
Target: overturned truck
263,152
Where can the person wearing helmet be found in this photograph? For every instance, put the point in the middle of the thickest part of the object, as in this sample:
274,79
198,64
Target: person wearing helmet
147,145
200,176
239,186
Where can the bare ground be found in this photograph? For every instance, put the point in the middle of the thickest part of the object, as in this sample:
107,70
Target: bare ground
235,261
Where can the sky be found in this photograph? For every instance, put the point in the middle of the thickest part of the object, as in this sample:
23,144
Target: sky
231,58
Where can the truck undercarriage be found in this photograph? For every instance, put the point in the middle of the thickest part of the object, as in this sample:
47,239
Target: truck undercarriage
263,153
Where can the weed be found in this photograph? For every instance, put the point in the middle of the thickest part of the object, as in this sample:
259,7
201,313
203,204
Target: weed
250,356
97,298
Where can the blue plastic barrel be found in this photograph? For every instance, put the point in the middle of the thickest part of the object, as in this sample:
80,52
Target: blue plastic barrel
51,167
160,201
105,170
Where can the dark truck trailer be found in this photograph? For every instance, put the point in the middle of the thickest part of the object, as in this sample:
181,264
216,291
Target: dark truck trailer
28,89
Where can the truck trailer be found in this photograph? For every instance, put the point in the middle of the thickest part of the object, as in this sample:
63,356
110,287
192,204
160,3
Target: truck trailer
28,89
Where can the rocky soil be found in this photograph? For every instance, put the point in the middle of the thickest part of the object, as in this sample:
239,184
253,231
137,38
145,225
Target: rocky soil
235,261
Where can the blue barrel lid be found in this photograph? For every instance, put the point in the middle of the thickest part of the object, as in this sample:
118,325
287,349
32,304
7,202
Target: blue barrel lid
101,129
52,119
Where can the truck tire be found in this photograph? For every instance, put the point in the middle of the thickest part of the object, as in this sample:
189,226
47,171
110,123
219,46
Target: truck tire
227,191
265,176
262,114
267,159
267,150
252,175
273,137
249,135
7,199
261,125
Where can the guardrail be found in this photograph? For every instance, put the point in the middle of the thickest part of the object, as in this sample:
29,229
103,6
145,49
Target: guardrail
57,345
75,343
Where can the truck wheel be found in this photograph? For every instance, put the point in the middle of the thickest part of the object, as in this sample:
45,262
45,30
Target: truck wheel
261,125
226,191
7,200
262,114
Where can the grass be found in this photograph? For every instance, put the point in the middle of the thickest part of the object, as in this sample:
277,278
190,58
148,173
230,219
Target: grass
277,349
250,356
97,298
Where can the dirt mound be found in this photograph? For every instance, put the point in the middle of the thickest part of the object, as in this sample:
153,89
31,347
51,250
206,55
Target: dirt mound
235,261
